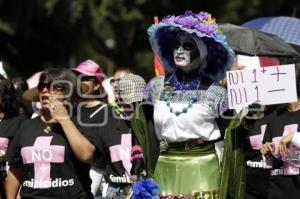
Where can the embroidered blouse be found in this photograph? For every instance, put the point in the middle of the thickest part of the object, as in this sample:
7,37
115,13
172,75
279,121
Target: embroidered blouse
198,122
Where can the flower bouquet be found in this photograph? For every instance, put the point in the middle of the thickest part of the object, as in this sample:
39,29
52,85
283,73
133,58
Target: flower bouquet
145,188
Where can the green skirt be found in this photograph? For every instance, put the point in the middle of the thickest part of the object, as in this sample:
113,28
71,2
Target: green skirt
195,173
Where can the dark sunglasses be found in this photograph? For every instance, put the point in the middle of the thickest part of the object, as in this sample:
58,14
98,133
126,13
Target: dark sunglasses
186,45
88,78
50,86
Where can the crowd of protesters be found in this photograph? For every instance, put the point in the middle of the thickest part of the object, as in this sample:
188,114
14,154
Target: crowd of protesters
76,133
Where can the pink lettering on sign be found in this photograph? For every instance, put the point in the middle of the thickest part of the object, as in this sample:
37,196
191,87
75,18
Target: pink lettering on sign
3,143
42,154
122,152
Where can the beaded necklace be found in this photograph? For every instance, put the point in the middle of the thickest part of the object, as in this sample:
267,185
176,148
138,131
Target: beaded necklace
184,82
168,92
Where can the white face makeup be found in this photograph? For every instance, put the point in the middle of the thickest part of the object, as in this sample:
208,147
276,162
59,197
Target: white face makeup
186,53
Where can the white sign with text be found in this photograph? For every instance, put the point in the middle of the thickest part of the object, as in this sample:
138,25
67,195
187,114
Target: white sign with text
265,85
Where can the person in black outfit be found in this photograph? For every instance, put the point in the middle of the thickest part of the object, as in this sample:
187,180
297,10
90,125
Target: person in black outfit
49,156
285,177
91,111
10,121
116,140
257,166
21,86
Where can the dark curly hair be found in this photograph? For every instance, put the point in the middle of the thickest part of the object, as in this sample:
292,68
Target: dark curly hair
2,77
8,98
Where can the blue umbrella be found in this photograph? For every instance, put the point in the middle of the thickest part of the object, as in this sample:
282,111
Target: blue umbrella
287,28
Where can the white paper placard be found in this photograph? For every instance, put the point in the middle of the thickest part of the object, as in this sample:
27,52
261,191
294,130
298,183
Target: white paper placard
265,85
248,62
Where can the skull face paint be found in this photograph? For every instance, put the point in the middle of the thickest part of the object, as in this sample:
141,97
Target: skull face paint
186,53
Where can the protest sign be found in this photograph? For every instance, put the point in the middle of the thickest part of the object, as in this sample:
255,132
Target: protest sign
265,85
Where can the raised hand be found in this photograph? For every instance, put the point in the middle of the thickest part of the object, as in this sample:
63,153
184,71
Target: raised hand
58,109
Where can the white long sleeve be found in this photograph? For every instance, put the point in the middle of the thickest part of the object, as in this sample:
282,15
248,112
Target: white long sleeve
296,139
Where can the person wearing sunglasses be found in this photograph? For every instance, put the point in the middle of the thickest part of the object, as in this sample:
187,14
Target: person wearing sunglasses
188,104
49,156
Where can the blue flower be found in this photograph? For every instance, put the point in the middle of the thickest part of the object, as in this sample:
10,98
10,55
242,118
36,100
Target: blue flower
145,189
220,38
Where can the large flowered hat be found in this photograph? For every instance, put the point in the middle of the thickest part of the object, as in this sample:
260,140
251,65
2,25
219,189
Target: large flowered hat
162,35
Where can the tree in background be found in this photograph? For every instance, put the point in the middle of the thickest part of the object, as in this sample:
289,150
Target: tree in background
36,34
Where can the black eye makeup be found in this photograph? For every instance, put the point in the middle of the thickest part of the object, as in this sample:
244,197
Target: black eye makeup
177,44
186,45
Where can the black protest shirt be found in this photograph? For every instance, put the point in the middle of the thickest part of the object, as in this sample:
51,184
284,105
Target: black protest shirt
114,141
92,116
90,119
257,172
9,126
51,170
8,129
284,179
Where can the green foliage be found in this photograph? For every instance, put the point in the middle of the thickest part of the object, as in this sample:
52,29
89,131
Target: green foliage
35,34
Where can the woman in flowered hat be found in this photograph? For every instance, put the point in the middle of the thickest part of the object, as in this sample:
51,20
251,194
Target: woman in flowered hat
188,103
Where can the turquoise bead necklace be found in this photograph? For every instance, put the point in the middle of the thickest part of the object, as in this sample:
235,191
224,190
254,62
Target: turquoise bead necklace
169,91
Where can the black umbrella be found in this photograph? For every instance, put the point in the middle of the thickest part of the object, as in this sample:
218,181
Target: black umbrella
297,48
250,42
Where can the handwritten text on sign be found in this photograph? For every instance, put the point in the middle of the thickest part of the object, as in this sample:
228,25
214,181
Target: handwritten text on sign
266,85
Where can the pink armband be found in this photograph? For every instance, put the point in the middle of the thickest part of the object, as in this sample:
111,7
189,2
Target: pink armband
136,156
136,148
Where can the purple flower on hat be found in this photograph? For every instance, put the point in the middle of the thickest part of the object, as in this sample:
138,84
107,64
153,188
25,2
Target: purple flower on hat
187,21
203,16
191,21
207,28
168,19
